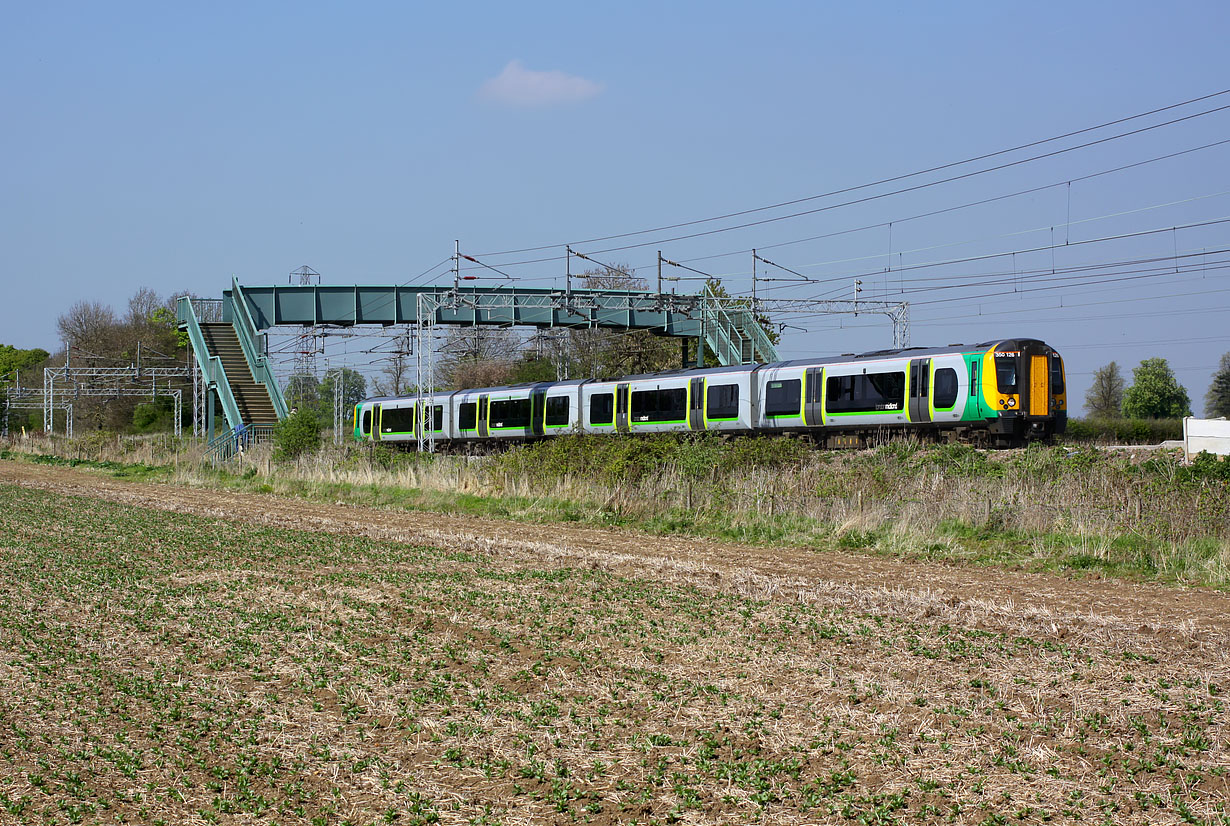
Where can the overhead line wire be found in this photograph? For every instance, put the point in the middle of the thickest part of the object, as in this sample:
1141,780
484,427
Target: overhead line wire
1100,278
1067,243
935,321
1068,280
967,205
1106,280
882,195
1036,274
945,210
1025,251
891,179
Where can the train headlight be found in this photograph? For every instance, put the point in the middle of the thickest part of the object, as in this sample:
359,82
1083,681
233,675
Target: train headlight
1012,402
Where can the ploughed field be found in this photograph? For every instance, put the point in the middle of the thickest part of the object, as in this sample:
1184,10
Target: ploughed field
188,656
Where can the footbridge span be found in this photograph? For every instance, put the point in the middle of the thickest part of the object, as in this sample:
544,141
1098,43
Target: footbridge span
229,344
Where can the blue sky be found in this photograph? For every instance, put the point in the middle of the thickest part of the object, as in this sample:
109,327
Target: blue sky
171,145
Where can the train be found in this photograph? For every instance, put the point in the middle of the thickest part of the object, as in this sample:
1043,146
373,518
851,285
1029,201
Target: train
994,394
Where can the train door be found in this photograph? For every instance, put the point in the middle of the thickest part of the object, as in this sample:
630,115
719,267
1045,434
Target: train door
813,399
920,390
696,409
377,413
422,418
623,398
484,402
538,411
1036,390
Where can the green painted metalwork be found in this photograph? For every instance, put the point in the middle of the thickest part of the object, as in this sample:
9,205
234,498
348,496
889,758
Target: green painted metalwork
730,330
211,366
733,334
225,447
673,315
253,344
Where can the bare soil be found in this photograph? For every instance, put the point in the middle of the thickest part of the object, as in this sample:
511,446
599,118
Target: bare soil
223,672
1194,616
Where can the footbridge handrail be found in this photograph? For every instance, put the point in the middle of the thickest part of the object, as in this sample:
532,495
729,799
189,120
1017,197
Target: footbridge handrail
230,444
736,320
253,344
211,365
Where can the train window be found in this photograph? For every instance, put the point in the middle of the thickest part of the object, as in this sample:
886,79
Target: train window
1005,374
644,404
602,408
437,418
722,401
1056,375
864,393
397,420
467,416
783,398
509,413
944,393
973,378
365,428
660,405
557,411
673,404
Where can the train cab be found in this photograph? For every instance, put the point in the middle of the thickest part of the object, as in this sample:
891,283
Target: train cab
1028,397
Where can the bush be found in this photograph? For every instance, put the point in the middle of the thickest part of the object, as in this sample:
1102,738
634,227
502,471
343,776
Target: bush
1124,431
612,459
1207,467
295,435
155,415
963,461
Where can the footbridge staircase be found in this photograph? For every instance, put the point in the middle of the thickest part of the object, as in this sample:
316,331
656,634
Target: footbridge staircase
732,333
238,380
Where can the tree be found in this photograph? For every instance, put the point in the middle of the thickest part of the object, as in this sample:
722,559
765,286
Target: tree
594,352
151,320
1105,397
97,337
1155,393
13,360
354,388
533,368
17,364
394,379
1217,400
303,393
89,326
142,306
477,357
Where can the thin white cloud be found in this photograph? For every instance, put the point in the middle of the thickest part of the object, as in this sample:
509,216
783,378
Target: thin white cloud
521,87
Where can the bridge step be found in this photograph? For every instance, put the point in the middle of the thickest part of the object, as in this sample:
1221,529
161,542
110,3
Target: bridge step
255,406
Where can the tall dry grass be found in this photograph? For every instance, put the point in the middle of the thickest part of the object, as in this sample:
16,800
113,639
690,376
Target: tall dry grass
1098,508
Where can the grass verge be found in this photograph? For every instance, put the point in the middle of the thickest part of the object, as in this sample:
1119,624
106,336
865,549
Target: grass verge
1080,511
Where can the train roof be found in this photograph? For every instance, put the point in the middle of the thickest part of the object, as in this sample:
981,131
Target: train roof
442,392
911,352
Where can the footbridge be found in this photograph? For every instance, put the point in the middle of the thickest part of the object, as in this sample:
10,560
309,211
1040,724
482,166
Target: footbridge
230,349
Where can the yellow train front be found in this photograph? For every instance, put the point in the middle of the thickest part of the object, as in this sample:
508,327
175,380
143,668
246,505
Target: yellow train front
1028,399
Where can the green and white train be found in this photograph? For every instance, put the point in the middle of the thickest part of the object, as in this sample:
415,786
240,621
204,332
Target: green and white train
1000,393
